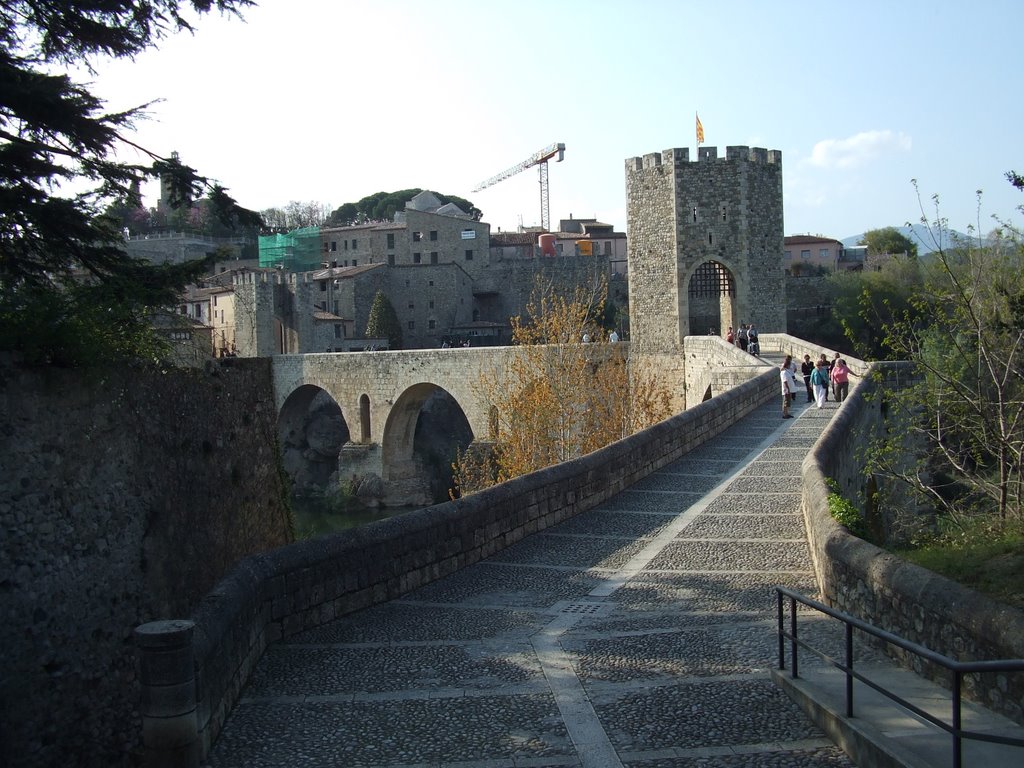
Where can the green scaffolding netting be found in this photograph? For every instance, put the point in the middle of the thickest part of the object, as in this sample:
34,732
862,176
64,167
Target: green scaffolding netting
296,251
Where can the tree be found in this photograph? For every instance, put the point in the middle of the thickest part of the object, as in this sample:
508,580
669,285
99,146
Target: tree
888,240
965,337
55,135
296,215
383,321
866,303
561,398
382,206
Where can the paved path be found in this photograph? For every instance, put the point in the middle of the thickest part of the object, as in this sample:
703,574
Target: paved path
639,634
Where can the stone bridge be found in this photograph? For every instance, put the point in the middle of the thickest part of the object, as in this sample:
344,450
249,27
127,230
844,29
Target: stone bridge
380,395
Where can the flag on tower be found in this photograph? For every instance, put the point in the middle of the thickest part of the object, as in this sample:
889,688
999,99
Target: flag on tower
700,131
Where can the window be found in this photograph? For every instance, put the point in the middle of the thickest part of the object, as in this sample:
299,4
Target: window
433,257
469,254
337,330
391,240
346,245
724,216
355,243
412,325
412,305
431,283
431,324
355,262
805,255
334,245
416,258
789,255
431,304
323,285
823,254
417,236
433,234
391,259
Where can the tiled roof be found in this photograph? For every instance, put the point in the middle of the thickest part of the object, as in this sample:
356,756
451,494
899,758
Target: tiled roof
343,273
513,238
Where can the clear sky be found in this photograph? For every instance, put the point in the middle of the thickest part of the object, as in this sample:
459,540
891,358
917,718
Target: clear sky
332,100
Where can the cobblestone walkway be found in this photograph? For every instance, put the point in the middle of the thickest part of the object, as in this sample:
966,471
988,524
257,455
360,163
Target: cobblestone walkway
639,634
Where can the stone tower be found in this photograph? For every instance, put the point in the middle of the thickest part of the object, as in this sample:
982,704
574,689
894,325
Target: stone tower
705,247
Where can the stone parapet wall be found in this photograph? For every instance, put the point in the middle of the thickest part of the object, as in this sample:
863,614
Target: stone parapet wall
714,365
279,593
921,606
125,495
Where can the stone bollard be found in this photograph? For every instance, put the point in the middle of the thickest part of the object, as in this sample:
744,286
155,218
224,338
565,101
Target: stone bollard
170,733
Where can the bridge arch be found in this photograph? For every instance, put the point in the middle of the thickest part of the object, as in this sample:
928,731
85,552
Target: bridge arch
364,418
402,458
311,430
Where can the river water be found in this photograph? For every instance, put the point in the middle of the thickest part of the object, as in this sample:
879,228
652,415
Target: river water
315,516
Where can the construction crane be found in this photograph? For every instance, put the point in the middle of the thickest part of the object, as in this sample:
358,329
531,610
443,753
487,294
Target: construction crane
540,159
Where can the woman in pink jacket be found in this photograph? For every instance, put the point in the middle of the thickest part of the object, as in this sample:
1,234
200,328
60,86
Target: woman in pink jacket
840,376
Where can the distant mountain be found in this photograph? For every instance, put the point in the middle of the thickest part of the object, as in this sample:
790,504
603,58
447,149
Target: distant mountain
919,234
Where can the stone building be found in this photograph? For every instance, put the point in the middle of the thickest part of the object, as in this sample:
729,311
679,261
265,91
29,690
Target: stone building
447,277
815,254
705,247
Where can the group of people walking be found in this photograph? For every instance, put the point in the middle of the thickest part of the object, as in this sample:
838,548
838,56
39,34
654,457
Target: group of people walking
745,338
819,376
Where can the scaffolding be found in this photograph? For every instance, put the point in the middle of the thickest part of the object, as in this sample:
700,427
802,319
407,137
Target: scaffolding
295,251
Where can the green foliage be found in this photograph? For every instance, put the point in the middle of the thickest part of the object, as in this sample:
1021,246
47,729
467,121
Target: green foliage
55,134
867,303
964,411
382,206
844,512
383,321
984,556
889,240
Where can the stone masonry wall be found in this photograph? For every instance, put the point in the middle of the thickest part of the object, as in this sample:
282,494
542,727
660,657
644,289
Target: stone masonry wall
125,495
861,579
280,593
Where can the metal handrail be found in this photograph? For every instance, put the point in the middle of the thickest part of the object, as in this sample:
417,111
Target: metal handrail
957,668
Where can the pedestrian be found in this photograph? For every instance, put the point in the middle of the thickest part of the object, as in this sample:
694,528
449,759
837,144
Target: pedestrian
807,368
823,360
819,380
754,347
741,337
613,336
788,385
730,336
840,376
792,393
831,365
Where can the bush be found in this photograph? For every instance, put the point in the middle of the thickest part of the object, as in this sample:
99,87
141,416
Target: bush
844,512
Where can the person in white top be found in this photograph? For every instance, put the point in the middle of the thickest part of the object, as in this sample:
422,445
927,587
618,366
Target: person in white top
788,385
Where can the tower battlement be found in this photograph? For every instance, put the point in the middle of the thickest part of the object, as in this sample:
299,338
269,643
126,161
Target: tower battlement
680,155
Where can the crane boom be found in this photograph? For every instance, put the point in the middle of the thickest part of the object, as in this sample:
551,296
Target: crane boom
540,159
